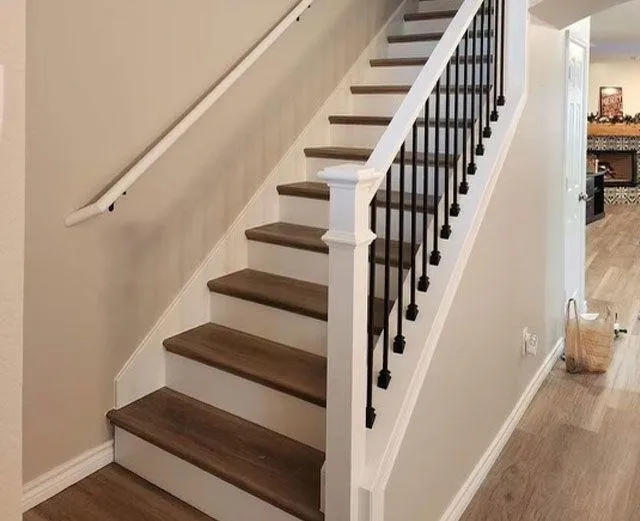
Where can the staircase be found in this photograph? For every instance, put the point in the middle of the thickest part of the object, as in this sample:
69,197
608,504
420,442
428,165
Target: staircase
239,430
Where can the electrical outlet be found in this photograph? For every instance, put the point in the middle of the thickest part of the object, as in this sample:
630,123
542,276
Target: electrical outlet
529,342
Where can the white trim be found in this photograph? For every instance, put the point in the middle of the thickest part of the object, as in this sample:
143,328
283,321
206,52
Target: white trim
187,121
56,480
479,473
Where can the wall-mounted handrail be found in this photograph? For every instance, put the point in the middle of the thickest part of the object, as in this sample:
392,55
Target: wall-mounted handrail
107,199
389,144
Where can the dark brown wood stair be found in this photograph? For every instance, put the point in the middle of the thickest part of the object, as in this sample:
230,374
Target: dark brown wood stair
427,37
417,62
382,121
270,466
310,239
363,154
404,89
114,494
320,192
432,15
283,368
293,295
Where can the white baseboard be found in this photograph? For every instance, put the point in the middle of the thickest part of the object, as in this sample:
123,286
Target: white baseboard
56,480
481,470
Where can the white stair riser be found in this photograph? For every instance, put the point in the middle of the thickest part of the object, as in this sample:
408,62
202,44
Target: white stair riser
438,25
428,6
275,410
292,329
314,268
421,49
410,49
368,136
209,494
315,165
388,104
407,75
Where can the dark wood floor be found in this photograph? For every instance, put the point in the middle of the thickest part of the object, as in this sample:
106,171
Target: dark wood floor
575,455
114,494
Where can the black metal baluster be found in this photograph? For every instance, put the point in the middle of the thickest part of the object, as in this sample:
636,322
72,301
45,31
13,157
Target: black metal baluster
455,206
478,87
423,284
398,341
412,309
464,185
384,377
494,61
503,12
445,233
471,170
435,257
487,128
371,412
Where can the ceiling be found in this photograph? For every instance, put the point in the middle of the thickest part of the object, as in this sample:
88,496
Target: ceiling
615,32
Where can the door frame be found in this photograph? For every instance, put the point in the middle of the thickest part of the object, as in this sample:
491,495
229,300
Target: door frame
575,39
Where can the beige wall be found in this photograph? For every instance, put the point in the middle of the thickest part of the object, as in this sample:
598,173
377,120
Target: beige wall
103,79
514,278
12,55
625,74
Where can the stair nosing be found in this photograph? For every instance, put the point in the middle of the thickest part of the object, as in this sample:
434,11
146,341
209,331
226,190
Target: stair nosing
136,428
254,234
362,155
216,286
430,15
384,121
184,347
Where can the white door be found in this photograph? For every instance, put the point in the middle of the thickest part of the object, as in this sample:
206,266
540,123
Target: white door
575,169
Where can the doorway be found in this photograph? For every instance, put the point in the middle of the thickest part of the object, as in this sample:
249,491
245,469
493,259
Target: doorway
575,167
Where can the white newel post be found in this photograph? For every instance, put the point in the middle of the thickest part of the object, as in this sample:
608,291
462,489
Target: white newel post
348,238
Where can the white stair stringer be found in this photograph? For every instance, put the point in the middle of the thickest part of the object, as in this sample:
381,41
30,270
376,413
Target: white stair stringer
275,410
200,489
410,369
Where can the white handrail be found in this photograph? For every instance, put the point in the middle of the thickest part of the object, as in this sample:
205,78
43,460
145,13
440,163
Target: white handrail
114,192
387,148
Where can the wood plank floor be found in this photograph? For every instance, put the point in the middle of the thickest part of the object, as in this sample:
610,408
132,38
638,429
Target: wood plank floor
575,455
114,494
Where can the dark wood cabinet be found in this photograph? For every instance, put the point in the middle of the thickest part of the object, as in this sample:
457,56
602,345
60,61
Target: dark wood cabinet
595,197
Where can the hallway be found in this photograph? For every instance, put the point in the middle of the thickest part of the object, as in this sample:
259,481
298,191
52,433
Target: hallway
575,455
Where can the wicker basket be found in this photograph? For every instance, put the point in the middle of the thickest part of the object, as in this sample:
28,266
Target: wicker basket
589,337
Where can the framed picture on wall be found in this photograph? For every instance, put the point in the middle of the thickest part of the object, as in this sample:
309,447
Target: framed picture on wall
611,101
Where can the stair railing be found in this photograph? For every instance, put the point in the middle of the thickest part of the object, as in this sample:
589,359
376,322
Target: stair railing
402,174
107,198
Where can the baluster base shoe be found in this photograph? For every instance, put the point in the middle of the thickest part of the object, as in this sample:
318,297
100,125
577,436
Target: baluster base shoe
435,258
423,284
371,417
399,344
412,312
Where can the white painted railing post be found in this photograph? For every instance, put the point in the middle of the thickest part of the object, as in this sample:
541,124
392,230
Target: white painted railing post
348,238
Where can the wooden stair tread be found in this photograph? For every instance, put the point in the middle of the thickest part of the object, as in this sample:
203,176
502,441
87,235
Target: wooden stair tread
417,62
310,238
404,89
432,15
114,494
274,365
363,154
270,466
381,121
297,296
428,37
415,37
320,191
